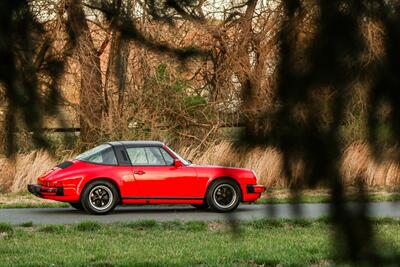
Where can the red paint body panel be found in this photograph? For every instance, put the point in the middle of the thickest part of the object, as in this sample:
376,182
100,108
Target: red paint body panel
167,181
147,184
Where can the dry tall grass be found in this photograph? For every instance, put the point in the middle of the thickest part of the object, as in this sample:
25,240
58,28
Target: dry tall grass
267,163
25,168
357,164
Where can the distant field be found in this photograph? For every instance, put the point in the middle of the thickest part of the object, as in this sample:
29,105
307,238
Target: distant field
144,243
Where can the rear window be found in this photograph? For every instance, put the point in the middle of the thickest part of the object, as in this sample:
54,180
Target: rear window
103,154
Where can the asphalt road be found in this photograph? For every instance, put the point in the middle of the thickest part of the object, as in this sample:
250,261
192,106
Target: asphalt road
186,213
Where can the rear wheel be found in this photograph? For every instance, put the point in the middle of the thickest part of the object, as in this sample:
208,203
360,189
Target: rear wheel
76,205
224,195
99,197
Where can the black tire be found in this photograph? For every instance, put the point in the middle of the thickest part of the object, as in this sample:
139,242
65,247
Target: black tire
99,197
76,205
202,206
230,195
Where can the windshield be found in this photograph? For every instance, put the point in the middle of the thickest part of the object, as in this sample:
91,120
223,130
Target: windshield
184,161
103,154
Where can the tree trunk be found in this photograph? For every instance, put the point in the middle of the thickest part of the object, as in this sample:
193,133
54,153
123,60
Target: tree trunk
91,105
249,80
121,68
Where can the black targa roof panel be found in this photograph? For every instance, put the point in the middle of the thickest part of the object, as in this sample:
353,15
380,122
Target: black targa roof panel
137,143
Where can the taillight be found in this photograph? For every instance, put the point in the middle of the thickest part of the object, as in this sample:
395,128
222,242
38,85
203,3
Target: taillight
52,183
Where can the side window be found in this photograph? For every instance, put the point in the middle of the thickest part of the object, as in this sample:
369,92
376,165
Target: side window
169,160
137,156
154,156
103,154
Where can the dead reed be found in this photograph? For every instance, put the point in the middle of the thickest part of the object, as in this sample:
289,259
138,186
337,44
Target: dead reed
357,164
23,169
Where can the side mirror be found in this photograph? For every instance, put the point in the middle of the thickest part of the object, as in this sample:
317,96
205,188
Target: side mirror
178,163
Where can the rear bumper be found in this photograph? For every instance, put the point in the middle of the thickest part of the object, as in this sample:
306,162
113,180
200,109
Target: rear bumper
42,191
258,189
252,192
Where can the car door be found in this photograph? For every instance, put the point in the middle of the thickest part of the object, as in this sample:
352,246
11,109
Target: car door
124,172
158,178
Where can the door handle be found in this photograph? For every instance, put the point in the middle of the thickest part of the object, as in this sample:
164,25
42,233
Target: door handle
139,172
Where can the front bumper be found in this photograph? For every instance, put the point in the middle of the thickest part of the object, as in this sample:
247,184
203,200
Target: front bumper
258,189
40,191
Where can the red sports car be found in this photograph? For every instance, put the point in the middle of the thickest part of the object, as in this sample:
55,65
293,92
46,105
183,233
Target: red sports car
144,172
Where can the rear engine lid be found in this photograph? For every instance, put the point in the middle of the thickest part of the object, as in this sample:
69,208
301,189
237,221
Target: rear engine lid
56,168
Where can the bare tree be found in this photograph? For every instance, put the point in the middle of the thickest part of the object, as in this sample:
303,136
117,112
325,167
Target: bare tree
91,91
26,60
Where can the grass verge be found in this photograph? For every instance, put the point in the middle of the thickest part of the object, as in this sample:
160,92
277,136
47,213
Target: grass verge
27,200
283,196
176,243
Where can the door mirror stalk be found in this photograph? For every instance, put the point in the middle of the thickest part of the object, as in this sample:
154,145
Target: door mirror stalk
178,163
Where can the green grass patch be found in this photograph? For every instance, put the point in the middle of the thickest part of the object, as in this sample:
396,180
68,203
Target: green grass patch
172,225
151,243
26,224
88,226
196,226
52,229
282,223
168,225
6,228
265,223
140,225
386,221
323,198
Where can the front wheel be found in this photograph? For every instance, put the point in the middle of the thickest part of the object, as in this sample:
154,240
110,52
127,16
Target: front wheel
99,197
224,195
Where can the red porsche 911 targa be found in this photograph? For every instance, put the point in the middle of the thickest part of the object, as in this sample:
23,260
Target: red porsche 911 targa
144,172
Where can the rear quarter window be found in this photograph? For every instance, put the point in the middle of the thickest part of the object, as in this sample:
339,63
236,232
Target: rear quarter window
103,154
65,164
